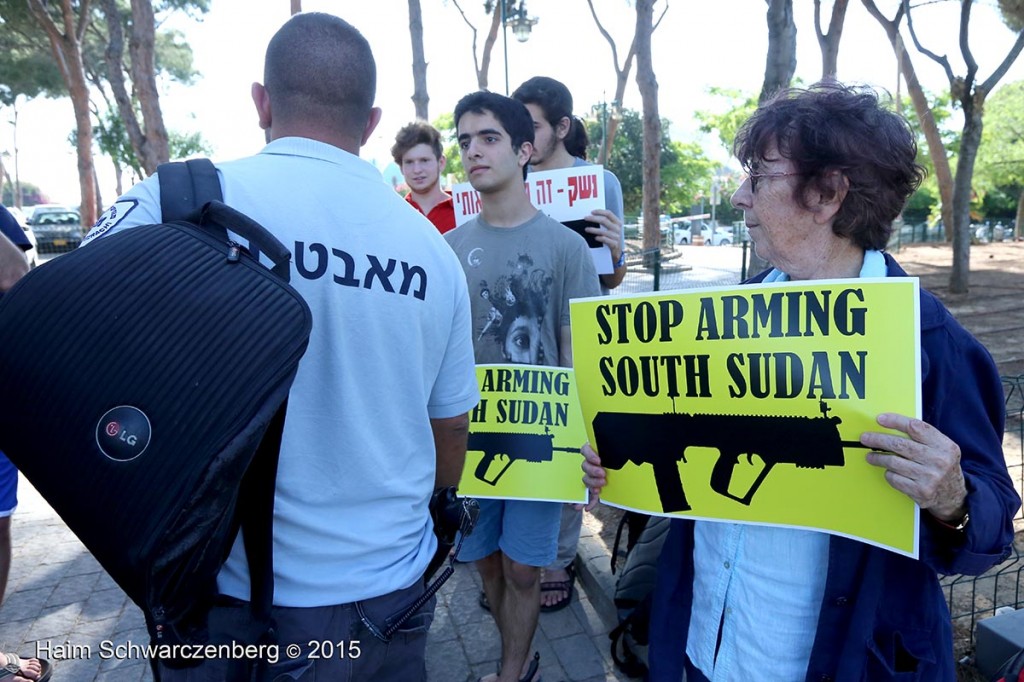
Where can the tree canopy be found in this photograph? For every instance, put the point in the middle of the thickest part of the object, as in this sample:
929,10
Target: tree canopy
685,170
999,173
120,54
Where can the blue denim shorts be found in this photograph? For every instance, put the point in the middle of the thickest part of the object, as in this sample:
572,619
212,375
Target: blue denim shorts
526,531
8,486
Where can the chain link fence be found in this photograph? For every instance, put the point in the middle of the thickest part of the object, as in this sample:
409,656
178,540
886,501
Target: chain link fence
973,598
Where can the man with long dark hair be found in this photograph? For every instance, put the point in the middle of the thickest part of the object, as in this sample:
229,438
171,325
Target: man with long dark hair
560,141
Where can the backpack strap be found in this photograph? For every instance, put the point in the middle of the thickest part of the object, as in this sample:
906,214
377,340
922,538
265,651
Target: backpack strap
186,186
257,523
628,662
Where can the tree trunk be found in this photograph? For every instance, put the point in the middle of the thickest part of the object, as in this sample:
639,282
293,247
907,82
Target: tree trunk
936,150
141,47
420,99
778,72
118,179
781,62
492,35
648,85
970,140
1020,216
609,138
67,51
971,92
621,81
114,58
472,28
829,42
99,192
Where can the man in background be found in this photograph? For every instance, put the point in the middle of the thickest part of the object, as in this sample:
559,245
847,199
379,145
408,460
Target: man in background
560,141
418,152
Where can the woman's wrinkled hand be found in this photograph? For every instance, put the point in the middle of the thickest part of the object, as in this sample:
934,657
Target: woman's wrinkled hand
593,476
924,464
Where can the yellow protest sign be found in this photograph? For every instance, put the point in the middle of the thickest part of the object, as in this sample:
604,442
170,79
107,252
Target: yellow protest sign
747,403
525,436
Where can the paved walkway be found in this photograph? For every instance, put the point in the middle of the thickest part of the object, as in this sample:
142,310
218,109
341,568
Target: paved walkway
62,605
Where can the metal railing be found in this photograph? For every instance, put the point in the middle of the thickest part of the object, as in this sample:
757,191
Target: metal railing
973,598
903,233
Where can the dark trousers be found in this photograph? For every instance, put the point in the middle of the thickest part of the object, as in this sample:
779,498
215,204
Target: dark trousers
326,643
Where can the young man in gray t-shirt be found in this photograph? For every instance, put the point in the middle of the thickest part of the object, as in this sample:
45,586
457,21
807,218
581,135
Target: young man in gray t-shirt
522,268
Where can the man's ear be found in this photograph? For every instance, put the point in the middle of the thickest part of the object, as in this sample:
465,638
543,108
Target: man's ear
525,152
563,128
441,163
261,98
371,124
827,203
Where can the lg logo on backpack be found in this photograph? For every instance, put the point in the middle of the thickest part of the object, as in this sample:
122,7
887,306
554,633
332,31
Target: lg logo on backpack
114,430
123,433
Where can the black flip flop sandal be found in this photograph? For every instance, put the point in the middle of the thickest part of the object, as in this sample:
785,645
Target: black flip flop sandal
566,586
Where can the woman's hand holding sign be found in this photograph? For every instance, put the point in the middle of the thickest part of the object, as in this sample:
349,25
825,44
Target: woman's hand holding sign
593,475
924,465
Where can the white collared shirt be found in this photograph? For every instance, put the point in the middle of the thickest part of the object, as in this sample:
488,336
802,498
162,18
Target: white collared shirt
760,587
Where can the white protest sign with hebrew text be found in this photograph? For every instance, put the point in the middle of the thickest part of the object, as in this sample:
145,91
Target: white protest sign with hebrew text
568,195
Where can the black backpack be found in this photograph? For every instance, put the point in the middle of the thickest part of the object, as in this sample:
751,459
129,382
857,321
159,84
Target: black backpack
633,591
1012,670
144,381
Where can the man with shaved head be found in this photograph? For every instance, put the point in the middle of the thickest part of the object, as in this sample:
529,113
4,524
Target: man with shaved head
372,429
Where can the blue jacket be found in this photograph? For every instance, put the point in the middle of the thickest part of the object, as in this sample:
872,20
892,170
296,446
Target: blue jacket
883,616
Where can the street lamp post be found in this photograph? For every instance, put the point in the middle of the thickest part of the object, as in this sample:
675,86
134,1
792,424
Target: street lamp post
522,25
14,137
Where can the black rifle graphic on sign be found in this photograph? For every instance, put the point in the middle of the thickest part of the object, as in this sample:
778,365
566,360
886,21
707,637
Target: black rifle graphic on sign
662,439
529,447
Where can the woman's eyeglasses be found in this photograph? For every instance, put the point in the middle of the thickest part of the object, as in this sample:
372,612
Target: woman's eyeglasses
754,176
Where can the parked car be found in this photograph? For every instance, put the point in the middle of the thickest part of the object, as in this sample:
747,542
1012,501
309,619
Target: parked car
57,228
682,233
635,230
721,236
33,253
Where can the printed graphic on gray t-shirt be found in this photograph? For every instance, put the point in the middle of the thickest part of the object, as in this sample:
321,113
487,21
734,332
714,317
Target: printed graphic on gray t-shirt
520,281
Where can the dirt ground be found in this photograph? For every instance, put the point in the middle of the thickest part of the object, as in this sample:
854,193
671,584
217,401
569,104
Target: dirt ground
993,311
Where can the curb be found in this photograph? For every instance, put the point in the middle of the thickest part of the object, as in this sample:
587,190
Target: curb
593,568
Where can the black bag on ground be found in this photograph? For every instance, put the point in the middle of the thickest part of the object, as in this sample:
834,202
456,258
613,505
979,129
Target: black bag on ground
633,591
140,375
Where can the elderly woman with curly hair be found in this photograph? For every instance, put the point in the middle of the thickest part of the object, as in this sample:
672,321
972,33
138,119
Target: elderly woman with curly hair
829,169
